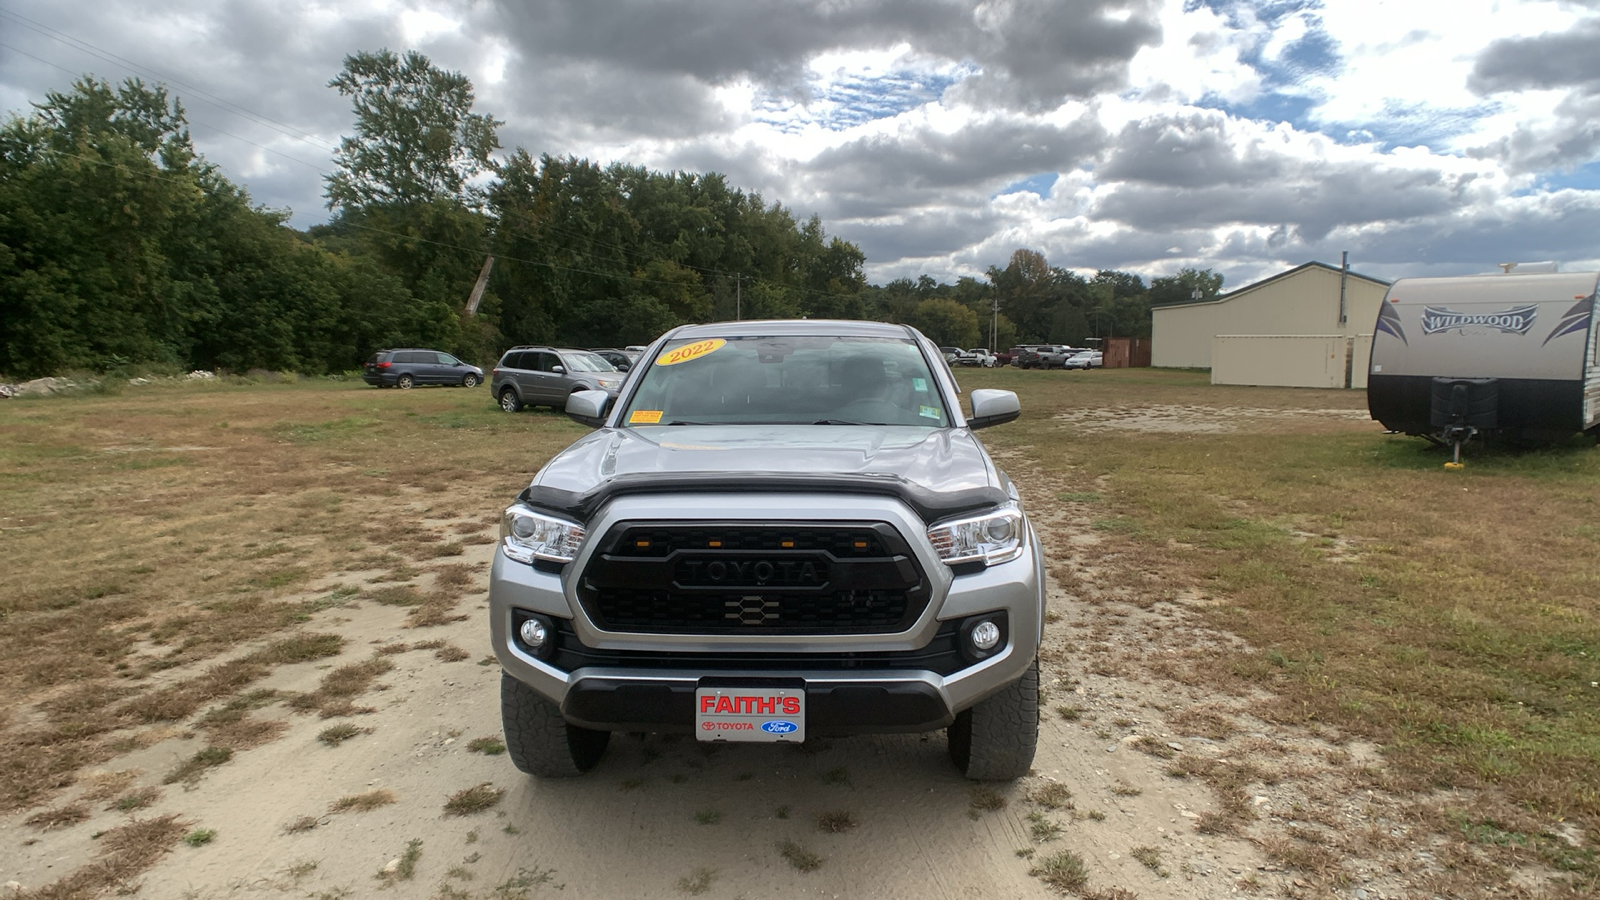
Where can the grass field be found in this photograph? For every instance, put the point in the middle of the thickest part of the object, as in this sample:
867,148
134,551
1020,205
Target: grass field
154,530
1453,618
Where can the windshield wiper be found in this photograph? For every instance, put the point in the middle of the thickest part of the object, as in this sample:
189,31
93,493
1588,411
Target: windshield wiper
845,422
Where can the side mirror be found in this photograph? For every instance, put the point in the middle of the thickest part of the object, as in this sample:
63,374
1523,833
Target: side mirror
621,367
559,370
991,407
588,407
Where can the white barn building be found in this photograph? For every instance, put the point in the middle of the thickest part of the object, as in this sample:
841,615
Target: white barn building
1308,327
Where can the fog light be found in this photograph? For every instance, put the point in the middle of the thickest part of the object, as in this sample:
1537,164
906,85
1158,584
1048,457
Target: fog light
534,634
982,636
985,636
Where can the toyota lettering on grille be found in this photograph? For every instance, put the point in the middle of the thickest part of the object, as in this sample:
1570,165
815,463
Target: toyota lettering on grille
731,573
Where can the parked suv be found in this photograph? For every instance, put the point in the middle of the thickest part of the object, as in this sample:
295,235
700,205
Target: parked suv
405,368
544,376
1054,356
1026,356
779,530
621,360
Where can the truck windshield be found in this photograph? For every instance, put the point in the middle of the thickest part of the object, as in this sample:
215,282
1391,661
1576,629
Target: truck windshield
788,380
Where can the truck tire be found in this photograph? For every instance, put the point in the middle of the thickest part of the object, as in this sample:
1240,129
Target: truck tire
539,741
996,738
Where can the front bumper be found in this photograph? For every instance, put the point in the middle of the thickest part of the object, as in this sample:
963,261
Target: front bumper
854,683
629,702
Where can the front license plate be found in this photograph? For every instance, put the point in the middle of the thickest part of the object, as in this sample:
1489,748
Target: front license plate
756,714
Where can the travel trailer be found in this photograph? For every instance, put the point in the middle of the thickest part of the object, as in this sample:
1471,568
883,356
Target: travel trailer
1510,355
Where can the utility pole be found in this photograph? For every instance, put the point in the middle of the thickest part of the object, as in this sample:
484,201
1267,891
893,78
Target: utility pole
1344,274
477,290
994,328
738,298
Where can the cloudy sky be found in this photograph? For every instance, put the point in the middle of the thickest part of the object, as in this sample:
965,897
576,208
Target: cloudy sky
1423,136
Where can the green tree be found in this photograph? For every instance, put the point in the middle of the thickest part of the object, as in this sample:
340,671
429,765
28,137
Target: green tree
417,139
1027,290
403,192
1188,286
946,322
95,188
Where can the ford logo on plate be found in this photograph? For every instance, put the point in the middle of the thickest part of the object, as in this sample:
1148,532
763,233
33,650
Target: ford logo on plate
780,727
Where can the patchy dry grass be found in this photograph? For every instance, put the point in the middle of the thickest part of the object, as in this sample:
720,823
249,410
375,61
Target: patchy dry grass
60,817
244,497
366,802
450,653
1150,858
334,735
986,799
799,857
698,882
233,727
105,785
1063,871
476,799
139,799
403,867
1451,617
1052,795
836,821
334,696
1041,828
488,746
192,769
121,855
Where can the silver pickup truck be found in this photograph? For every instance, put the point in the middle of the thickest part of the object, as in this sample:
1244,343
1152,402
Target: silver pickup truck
778,530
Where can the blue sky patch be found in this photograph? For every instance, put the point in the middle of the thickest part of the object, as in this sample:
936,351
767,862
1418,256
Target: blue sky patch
1270,108
1039,184
855,100
1583,178
1411,125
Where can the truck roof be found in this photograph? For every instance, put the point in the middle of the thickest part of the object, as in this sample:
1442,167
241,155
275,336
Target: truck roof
760,327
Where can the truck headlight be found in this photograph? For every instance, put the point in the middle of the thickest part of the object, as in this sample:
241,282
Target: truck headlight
992,538
526,535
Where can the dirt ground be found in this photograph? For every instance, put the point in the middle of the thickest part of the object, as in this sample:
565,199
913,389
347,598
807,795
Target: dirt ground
1125,801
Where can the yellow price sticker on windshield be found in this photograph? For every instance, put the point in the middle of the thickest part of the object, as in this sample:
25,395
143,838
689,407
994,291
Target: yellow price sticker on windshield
645,417
690,351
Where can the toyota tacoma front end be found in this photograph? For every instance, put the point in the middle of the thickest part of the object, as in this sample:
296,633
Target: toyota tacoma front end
779,530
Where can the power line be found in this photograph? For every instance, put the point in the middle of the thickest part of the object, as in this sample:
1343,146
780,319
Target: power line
108,56
198,122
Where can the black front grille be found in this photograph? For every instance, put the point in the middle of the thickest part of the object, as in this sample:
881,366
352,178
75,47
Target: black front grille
741,578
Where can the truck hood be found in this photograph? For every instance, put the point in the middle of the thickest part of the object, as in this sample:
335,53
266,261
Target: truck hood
937,471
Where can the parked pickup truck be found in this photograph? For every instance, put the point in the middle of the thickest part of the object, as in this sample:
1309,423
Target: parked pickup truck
777,531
